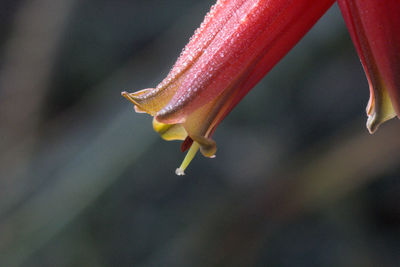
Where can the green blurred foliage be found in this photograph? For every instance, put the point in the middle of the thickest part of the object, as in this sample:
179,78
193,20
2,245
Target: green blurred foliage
84,181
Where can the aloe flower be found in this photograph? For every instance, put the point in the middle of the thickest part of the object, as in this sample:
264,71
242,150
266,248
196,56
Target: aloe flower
238,42
374,26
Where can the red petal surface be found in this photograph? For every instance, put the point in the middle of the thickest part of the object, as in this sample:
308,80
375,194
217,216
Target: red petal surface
374,26
259,33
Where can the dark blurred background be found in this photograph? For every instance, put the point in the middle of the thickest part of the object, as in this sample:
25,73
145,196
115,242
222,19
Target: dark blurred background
84,181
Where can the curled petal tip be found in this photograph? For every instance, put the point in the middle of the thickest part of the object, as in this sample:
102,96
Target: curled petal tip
372,124
126,95
129,97
379,109
146,101
374,121
208,147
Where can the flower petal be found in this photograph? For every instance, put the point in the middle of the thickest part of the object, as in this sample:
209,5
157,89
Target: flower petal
154,99
257,27
374,27
170,131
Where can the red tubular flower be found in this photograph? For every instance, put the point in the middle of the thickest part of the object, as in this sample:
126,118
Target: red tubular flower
236,45
374,26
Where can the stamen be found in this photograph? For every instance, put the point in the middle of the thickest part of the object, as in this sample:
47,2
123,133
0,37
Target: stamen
188,158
